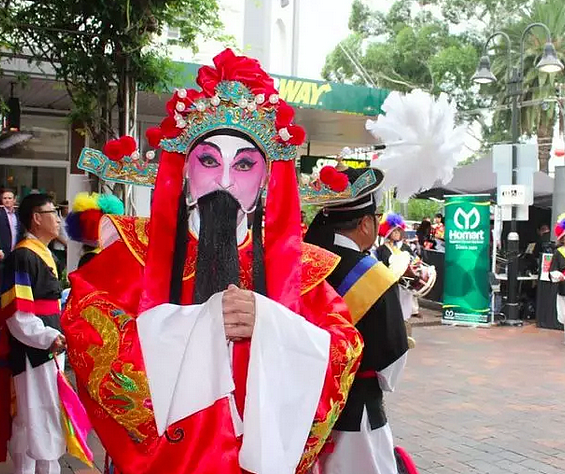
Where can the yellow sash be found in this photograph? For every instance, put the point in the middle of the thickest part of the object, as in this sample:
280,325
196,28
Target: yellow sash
41,250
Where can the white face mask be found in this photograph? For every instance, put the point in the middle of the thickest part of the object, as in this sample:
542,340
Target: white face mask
225,162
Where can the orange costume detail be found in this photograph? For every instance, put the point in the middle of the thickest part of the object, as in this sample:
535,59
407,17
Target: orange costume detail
100,324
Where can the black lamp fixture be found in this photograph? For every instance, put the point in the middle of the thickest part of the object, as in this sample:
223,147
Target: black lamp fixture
549,62
484,75
10,135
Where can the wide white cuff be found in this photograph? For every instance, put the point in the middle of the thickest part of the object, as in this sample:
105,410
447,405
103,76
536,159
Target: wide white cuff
186,358
389,376
287,367
31,331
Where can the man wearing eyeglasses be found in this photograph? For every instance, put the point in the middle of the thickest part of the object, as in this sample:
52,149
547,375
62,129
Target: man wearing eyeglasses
29,325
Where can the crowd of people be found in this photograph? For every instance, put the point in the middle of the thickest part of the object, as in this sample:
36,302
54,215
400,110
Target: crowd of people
430,235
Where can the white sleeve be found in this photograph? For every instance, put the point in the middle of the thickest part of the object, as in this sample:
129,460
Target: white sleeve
287,367
556,276
389,376
30,330
188,368
186,358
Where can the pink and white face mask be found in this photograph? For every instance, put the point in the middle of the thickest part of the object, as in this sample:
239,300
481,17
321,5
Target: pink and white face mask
228,163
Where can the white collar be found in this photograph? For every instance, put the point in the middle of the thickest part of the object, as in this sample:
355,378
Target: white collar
343,241
194,226
29,235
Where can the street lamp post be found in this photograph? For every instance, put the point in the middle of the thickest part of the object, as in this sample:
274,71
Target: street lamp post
548,63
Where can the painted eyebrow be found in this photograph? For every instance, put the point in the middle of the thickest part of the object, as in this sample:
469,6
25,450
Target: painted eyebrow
213,145
249,149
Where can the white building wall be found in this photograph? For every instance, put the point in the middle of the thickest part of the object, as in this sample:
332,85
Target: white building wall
321,26
258,28
264,29
232,16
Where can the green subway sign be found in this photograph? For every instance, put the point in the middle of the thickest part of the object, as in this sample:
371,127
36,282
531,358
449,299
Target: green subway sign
310,94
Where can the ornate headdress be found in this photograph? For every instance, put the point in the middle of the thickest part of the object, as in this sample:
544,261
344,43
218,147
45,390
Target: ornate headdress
389,222
236,95
346,192
344,196
560,226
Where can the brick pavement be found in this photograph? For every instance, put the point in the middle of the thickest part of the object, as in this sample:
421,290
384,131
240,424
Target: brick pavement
483,401
472,401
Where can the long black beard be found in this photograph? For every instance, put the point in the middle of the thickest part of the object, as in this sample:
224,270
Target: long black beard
217,264
218,224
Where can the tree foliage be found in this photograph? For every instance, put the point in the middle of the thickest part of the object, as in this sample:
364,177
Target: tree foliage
101,50
404,50
488,14
420,44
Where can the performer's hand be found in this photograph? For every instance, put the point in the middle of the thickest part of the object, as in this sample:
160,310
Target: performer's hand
1,255
59,344
239,313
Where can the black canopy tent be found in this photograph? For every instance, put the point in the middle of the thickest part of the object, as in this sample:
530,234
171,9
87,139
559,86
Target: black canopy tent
479,178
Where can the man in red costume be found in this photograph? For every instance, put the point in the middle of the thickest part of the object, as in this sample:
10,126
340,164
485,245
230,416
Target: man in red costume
200,347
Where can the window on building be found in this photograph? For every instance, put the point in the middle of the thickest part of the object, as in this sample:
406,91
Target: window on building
173,32
48,140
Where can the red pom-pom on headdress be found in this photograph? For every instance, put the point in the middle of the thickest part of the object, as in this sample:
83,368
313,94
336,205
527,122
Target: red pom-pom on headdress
89,224
154,136
333,179
113,150
128,144
327,173
169,128
297,135
285,115
340,182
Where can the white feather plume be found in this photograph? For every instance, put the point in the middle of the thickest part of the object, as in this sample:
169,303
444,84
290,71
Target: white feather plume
423,144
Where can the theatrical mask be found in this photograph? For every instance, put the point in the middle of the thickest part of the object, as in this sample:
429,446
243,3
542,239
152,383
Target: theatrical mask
226,163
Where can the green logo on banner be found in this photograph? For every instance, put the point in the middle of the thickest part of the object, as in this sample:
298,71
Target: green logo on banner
466,289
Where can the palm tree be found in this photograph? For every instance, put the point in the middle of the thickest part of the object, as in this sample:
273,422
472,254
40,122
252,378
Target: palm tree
540,90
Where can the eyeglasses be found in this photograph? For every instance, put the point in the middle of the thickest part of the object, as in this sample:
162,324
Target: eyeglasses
53,211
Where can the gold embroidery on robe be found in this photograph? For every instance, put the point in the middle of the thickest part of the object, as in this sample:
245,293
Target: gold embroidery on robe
317,263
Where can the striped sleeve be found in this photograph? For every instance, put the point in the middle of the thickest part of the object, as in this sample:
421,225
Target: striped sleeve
17,294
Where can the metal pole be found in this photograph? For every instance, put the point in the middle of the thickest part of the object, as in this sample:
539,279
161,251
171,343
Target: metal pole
513,239
295,38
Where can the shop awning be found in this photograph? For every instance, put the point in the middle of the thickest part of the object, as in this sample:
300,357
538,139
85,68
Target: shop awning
333,114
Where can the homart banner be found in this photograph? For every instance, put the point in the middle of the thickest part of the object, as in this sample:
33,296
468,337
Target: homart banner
466,289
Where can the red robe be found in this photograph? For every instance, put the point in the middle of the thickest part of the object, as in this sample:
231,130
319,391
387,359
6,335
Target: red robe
104,350
5,392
